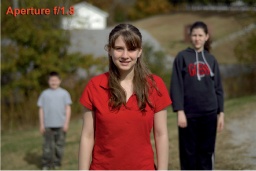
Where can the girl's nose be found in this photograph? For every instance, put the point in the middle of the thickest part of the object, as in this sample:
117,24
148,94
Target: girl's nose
125,54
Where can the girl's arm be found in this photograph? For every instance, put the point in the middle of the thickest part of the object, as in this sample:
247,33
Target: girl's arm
220,125
161,139
87,140
182,119
220,97
177,87
218,88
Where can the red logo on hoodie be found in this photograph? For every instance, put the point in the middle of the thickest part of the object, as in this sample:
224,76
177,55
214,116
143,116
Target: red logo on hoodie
202,68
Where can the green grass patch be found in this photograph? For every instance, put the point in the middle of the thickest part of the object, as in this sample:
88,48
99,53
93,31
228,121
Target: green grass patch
21,150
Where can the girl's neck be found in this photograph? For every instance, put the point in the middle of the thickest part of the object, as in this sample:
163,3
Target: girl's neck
126,76
199,50
126,82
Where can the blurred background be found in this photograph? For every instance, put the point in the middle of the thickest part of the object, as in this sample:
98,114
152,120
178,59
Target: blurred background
71,40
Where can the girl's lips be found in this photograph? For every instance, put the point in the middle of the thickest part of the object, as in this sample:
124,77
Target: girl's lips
124,62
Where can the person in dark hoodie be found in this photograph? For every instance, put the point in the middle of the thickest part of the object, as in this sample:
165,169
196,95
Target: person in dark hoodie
197,95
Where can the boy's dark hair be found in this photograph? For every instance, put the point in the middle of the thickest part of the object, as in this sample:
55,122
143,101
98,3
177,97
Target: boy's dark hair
54,73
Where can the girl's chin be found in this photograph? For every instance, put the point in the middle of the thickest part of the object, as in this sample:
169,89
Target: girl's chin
125,69
198,48
124,66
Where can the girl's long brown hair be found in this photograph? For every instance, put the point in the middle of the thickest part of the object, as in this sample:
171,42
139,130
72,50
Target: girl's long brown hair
142,81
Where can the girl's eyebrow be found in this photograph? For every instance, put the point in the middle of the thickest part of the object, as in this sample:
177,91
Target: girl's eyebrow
118,46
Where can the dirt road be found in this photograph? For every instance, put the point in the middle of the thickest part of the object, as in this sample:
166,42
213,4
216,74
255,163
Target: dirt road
236,145
243,133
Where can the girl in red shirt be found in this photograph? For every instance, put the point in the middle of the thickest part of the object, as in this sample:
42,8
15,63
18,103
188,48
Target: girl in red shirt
121,108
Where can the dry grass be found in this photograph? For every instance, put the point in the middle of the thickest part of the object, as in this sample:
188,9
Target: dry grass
169,30
225,51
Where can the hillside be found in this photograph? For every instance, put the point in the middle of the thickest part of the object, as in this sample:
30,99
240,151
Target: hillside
169,30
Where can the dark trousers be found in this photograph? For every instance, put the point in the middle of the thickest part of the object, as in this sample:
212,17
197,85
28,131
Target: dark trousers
197,143
53,147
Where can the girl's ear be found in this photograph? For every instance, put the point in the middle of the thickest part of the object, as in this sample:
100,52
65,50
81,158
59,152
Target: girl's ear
140,52
207,37
107,48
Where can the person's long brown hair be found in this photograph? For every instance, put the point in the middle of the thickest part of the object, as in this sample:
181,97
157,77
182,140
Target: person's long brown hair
142,81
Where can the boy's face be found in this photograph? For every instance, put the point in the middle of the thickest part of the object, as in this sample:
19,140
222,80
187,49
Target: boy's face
54,82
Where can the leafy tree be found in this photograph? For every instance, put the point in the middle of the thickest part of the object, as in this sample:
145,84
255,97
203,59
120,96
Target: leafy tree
249,2
145,8
175,2
245,51
157,62
32,46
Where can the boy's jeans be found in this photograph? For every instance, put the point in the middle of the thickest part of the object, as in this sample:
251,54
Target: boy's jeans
53,147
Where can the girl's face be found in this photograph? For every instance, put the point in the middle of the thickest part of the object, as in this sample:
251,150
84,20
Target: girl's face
124,58
198,38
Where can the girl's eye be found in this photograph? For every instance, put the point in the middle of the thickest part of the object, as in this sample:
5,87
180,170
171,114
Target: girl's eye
132,49
121,49
118,48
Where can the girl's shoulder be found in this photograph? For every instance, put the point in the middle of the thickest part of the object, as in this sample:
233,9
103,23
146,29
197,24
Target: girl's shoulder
157,78
185,53
156,81
207,53
210,56
99,80
181,53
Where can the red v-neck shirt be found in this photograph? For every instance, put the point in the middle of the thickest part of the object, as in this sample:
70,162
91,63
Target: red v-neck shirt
122,138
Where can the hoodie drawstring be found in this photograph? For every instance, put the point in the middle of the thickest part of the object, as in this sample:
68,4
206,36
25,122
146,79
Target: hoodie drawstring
197,67
211,73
